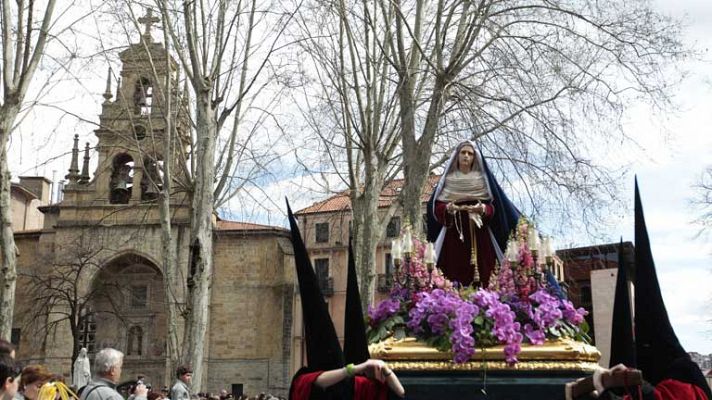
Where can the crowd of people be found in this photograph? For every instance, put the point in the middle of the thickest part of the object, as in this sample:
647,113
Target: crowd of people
29,382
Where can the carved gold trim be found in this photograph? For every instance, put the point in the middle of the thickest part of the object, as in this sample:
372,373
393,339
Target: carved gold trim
412,355
493,366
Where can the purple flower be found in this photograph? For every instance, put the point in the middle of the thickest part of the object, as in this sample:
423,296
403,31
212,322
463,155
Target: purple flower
572,315
547,313
445,313
485,298
383,311
535,336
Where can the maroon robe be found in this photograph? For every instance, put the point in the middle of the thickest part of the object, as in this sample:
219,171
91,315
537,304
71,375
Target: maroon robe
364,388
454,259
672,389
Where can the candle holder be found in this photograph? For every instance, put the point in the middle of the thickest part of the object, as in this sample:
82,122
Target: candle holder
404,277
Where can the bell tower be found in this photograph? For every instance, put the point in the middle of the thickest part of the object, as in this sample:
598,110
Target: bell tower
133,125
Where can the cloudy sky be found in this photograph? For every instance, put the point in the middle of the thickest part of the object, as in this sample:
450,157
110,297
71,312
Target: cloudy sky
673,161
677,148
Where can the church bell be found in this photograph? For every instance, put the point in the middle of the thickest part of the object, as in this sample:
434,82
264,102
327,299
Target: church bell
151,190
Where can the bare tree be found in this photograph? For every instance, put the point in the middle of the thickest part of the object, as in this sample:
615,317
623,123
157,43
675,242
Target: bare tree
25,30
527,79
225,64
350,110
703,201
58,296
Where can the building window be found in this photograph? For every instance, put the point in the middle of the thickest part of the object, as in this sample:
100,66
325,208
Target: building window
139,296
585,296
237,390
121,182
321,268
385,280
87,332
152,181
15,337
322,232
388,266
394,227
135,341
143,96
139,132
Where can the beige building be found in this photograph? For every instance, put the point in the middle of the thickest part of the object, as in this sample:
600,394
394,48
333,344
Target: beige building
26,197
104,239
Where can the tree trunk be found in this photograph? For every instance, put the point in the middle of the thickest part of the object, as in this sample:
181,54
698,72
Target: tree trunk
74,328
417,153
367,231
201,237
8,254
365,243
172,288
170,263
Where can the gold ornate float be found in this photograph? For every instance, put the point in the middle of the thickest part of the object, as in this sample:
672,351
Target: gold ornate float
409,354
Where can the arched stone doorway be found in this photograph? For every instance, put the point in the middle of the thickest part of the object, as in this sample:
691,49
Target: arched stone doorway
129,315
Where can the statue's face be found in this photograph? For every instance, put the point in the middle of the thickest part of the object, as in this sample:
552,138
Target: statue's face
465,158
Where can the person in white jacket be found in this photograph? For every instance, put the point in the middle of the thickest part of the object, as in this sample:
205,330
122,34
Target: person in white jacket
181,388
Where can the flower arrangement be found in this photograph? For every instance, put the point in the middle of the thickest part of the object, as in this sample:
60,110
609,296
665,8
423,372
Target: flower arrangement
519,306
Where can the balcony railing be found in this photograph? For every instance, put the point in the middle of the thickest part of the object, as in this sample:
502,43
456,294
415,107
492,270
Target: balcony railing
385,282
327,286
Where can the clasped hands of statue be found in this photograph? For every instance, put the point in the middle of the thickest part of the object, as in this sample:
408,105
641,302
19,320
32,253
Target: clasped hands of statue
476,213
470,208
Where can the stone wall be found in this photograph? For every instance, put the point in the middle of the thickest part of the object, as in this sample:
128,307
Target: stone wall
251,314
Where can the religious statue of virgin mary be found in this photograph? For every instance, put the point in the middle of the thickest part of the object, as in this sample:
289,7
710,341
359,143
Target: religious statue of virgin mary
468,203
81,373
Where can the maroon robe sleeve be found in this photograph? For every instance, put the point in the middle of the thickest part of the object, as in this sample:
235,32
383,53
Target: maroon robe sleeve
369,389
441,212
302,385
671,389
489,212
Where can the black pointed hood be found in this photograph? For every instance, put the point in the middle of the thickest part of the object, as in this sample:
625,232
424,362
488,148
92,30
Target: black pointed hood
322,345
658,351
355,341
622,339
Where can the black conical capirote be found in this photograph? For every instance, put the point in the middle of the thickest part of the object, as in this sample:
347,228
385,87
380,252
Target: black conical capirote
658,351
355,341
323,349
622,339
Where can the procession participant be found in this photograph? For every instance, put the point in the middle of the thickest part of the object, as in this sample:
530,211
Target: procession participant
468,203
326,375
650,345
659,355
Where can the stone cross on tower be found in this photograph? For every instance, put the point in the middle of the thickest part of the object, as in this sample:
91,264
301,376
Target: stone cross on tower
149,20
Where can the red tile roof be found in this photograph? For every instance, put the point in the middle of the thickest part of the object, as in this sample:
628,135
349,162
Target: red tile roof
223,225
342,201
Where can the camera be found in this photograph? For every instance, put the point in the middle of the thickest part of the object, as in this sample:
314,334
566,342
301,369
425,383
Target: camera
141,382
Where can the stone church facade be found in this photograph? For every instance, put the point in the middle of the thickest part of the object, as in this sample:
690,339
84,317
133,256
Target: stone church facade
108,225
